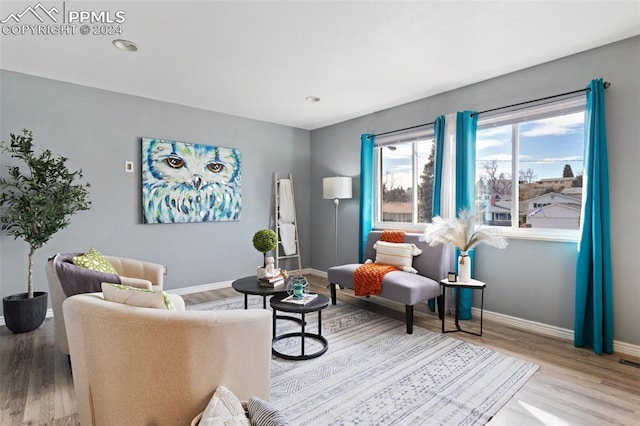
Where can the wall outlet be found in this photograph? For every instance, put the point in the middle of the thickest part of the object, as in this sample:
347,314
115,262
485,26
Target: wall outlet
164,269
128,166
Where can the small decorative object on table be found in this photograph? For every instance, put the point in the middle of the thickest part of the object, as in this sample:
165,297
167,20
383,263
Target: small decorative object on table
297,287
452,277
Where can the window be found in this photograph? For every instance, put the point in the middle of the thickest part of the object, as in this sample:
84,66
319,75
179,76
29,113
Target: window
404,179
529,166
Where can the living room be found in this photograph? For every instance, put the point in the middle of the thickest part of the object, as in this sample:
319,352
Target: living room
531,284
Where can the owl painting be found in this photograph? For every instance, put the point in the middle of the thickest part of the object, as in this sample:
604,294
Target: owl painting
184,182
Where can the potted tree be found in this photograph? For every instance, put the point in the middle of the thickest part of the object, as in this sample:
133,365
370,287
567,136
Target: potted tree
37,200
264,241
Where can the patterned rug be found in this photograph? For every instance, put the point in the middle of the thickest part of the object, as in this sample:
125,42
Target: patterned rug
376,374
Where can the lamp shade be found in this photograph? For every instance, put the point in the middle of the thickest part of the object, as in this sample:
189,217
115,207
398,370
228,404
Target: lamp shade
336,187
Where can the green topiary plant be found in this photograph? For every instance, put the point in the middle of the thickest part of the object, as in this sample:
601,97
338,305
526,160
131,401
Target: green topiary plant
264,241
38,201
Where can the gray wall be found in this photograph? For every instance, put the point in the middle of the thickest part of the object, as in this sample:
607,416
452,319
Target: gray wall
533,280
98,131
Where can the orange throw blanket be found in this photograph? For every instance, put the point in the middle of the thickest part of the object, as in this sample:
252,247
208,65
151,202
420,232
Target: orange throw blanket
392,236
367,278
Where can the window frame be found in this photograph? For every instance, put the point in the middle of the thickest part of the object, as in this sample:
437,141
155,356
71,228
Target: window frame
536,111
414,137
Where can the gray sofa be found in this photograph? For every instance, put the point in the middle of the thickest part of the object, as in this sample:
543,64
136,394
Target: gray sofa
400,286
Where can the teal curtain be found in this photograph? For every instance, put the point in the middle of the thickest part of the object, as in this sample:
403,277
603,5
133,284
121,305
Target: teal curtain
466,125
438,136
366,191
593,324
438,133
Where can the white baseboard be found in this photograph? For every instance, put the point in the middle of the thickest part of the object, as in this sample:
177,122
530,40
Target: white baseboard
199,288
620,348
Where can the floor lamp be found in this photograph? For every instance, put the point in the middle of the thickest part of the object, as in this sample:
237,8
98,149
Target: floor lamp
336,188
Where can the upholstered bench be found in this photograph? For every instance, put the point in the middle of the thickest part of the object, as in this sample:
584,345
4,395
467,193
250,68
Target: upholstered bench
400,286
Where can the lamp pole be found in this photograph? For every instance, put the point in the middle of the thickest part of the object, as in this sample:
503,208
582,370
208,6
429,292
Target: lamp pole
334,188
336,202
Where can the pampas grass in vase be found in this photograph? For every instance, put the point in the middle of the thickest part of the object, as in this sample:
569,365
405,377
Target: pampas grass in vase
462,233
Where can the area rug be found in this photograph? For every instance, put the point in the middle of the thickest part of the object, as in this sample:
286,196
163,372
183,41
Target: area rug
375,374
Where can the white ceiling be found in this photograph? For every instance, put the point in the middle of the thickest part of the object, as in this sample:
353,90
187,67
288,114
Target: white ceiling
261,59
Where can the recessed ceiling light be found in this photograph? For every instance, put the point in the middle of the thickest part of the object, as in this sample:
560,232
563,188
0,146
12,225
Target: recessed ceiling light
126,45
312,99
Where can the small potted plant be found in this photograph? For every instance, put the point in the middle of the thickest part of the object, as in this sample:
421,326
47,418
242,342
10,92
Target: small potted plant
36,201
264,241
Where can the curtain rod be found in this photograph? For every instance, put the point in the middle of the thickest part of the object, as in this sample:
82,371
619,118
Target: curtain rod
401,130
606,86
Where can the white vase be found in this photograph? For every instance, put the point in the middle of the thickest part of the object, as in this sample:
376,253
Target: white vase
464,267
261,273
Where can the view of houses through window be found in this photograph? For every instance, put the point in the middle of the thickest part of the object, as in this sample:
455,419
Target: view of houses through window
529,172
529,167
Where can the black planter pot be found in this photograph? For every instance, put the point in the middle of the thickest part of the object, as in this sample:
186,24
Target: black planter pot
22,314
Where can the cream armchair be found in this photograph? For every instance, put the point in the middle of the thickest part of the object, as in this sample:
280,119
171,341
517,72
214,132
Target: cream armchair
136,273
144,366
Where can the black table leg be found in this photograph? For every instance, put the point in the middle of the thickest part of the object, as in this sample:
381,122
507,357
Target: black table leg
302,333
273,332
444,303
458,309
246,301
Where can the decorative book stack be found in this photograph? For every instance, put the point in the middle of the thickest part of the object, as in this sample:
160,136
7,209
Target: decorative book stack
300,300
276,281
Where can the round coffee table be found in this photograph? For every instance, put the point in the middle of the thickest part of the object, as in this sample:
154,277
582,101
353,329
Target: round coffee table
316,305
250,285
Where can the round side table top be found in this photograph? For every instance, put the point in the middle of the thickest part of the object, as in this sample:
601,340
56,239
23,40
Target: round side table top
316,304
250,285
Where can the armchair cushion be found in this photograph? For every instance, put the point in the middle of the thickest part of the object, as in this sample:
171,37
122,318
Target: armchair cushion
137,296
95,261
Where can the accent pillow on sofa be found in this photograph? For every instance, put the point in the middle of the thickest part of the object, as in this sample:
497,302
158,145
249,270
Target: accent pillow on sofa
264,413
95,261
399,255
224,408
134,296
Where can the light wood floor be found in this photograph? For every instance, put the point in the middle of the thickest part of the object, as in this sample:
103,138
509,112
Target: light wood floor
572,387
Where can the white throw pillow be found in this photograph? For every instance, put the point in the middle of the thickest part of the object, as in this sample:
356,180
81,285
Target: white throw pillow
224,409
136,296
399,255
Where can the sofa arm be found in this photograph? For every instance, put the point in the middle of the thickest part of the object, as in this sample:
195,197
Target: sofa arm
134,268
135,282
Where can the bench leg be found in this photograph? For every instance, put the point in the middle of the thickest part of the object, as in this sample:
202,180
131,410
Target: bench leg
333,293
408,312
440,306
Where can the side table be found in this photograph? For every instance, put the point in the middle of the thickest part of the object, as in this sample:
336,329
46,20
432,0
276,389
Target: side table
250,285
316,305
474,285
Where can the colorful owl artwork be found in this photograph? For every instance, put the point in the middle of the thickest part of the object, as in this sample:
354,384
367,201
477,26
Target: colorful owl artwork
184,182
